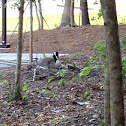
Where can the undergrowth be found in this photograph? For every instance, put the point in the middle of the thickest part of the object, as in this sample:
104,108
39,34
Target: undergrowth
92,64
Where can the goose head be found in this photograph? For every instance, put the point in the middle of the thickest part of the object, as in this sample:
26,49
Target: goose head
56,54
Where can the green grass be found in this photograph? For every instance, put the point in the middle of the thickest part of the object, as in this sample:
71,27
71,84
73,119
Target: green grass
121,5
53,22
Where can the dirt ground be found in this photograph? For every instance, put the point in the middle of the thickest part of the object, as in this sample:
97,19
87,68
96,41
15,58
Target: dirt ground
67,40
57,103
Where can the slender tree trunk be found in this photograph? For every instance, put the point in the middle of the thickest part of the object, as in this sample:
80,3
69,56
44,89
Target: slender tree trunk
31,34
107,114
115,66
40,11
19,52
37,15
65,21
84,10
72,13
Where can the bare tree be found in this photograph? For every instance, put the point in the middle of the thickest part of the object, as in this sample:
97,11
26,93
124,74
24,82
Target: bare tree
84,11
37,14
72,13
114,63
19,52
66,14
31,34
40,12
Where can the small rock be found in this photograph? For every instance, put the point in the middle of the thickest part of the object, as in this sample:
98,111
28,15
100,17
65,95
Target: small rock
95,116
91,120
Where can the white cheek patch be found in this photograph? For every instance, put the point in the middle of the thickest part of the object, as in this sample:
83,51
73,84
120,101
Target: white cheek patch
56,54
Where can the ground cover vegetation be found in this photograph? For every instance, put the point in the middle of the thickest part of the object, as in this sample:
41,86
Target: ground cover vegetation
71,95
63,90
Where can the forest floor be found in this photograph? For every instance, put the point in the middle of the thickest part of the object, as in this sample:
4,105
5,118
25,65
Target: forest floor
63,101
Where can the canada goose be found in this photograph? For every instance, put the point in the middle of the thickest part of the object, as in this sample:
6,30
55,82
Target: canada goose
50,62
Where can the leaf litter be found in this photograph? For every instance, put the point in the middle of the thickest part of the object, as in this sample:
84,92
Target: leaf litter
50,103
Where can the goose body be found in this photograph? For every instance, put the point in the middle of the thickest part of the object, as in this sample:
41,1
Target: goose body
50,62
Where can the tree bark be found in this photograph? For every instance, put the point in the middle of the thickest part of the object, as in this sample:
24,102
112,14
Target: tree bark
31,34
19,52
40,11
65,21
37,15
107,113
84,11
72,13
115,67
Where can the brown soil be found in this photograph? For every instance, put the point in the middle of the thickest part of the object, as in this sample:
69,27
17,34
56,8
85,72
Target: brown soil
55,104
67,40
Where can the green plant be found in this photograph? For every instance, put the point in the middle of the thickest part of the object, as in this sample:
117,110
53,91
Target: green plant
102,123
99,16
11,90
123,21
3,124
4,82
61,73
87,95
44,55
100,47
85,71
98,66
62,82
93,18
55,25
124,69
50,79
51,94
90,61
25,92
78,78
123,44
15,5
75,55
65,60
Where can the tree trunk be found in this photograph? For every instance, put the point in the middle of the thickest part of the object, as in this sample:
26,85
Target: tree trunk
37,14
84,11
19,52
107,114
65,21
31,34
72,13
40,11
115,67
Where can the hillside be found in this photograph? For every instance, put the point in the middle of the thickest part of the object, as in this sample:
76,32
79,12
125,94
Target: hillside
67,40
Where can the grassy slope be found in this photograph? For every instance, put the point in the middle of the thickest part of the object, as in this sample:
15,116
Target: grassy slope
53,22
